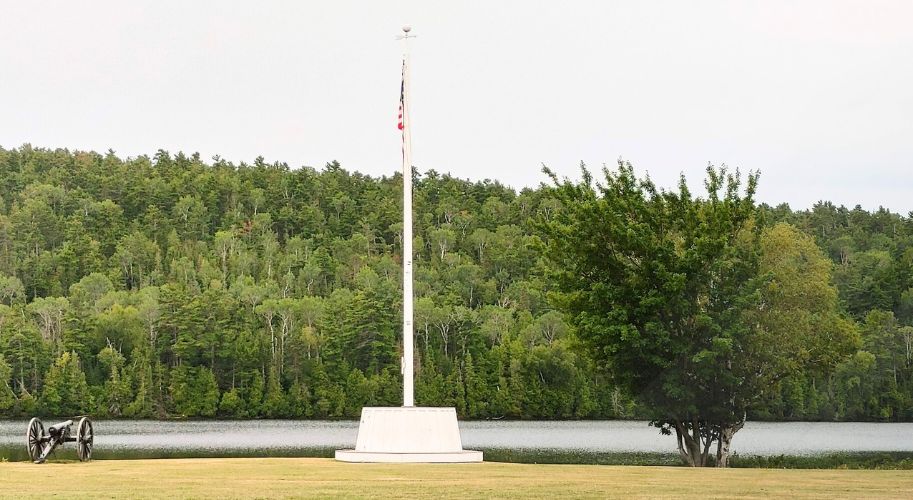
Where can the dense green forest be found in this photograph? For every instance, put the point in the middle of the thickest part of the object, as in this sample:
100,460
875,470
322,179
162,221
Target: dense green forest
169,286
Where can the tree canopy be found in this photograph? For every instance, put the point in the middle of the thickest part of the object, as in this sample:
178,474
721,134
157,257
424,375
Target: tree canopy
690,305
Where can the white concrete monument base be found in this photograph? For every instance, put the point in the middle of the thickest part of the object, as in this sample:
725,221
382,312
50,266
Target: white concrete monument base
408,434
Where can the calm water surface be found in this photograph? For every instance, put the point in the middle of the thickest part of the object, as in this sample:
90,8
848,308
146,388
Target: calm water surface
129,438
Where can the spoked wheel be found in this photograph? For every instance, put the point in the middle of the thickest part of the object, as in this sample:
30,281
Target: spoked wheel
33,437
85,437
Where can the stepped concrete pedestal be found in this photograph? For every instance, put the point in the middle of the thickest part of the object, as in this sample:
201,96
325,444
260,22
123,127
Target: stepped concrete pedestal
408,434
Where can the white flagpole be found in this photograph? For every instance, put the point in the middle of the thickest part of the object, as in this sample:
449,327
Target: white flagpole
408,434
408,356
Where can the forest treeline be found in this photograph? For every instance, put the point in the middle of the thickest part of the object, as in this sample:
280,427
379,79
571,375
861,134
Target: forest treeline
173,287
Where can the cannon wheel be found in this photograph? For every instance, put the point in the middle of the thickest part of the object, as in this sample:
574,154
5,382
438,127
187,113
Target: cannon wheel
85,437
33,437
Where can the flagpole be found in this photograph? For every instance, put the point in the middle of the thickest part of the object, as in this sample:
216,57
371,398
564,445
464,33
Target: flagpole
407,433
408,334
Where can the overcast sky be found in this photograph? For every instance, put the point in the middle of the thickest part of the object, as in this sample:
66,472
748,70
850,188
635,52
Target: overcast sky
817,95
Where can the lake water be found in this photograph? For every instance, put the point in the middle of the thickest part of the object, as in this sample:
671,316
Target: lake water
144,438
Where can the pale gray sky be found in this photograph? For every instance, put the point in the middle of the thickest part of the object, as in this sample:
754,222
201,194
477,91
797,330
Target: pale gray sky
818,95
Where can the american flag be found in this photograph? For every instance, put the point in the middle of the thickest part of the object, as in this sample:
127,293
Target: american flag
402,96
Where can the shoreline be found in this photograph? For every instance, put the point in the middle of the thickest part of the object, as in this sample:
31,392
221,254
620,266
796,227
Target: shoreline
869,460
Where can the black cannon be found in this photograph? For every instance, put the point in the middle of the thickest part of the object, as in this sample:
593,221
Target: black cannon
42,443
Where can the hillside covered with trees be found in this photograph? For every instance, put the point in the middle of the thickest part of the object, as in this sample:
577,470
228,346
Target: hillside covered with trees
173,287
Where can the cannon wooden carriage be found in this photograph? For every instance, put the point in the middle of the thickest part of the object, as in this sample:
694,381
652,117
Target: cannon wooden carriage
41,443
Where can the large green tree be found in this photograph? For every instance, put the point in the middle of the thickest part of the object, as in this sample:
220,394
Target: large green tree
666,288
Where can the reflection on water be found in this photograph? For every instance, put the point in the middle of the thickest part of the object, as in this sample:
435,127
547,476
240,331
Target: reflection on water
135,438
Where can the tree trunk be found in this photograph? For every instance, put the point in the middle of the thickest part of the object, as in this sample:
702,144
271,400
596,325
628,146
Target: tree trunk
724,443
689,446
695,437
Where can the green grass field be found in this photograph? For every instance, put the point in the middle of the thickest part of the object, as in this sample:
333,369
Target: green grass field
323,478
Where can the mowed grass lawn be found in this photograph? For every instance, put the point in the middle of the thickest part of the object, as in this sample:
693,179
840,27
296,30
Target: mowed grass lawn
326,478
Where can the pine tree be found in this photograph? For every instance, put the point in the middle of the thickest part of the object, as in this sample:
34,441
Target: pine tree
65,390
